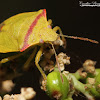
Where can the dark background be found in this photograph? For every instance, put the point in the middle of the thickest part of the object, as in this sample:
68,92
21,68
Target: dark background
73,20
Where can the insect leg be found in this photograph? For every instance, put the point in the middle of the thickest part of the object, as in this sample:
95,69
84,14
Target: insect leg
49,22
30,58
37,58
57,28
12,57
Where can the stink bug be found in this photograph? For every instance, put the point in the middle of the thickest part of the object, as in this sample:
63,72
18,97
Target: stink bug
25,30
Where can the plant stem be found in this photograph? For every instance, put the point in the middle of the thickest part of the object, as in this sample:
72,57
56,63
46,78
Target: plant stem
80,86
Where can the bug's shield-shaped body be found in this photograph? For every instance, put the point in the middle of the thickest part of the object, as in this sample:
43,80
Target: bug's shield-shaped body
24,30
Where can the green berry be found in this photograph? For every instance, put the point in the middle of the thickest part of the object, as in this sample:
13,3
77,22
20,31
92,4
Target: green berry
98,83
57,85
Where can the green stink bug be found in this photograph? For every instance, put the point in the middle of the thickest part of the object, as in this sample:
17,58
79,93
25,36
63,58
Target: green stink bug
24,30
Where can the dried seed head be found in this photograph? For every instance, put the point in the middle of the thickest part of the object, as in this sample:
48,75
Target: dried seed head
43,85
6,97
65,73
13,97
28,93
63,59
91,81
58,42
7,85
0,98
89,63
89,66
83,74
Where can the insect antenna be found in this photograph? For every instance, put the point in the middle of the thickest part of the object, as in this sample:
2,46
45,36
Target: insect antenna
80,38
57,62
